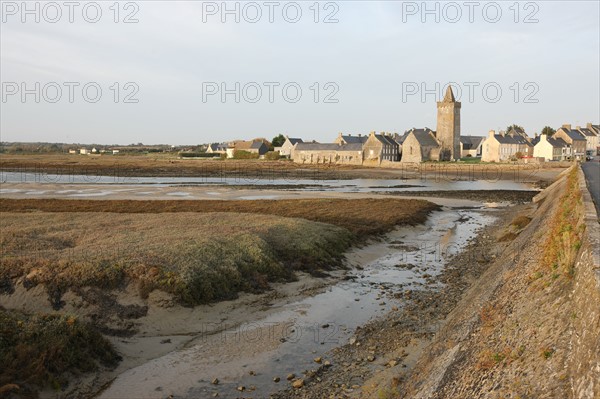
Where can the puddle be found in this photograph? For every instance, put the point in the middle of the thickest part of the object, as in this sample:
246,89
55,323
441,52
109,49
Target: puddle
287,341
258,197
179,194
92,194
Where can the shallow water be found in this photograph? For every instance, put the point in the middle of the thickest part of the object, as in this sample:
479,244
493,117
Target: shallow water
288,340
354,185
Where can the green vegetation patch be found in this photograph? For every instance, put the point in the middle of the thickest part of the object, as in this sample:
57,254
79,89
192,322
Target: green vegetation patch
37,350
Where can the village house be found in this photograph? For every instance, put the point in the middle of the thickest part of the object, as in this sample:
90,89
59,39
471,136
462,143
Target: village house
217,148
551,148
419,145
470,146
591,138
287,147
381,147
503,147
574,138
328,153
84,151
254,147
506,146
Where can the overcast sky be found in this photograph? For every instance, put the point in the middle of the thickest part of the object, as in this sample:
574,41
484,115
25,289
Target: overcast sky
363,66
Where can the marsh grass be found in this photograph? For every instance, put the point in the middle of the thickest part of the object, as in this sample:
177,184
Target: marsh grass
36,350
198,257
366,216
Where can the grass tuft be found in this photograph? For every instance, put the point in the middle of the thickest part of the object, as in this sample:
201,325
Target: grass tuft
36,350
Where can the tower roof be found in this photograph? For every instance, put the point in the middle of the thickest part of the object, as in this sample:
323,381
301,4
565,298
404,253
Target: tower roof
449,97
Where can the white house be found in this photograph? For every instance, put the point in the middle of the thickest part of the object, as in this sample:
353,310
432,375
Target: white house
470,146
550,148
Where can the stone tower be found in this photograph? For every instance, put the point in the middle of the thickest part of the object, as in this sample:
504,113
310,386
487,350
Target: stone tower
448,126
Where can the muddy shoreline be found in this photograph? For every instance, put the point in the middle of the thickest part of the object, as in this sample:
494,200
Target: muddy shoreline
383,352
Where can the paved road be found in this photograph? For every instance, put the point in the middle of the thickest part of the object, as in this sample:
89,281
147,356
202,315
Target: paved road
591,171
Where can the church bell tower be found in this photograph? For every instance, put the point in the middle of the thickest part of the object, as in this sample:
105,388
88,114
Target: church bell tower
448,127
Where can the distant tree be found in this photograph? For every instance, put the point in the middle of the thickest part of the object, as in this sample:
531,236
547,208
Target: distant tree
278,140
514,126
547,130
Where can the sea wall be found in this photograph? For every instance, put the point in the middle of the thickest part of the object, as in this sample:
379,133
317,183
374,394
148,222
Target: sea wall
584,359
528,327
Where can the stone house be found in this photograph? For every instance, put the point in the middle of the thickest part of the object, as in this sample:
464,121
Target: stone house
470,146
254,147
328,153
288,146
381,147
575,139
551,148
591,138
420,145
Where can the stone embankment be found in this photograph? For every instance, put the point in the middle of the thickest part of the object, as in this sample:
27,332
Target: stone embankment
530,327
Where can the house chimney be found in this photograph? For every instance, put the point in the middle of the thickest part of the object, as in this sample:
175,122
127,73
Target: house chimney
589,125
567,126
578,127
491,133
359,135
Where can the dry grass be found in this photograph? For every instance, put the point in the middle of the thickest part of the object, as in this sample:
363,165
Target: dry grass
199,257
162,165
564,240
520,222
361,216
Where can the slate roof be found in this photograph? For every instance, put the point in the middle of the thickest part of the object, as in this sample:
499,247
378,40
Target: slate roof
517,130
218,147
328,147
556,143
516,139
573,134
471,142
399,138
355,139
351,147
387,140
295,140
587,132
425,137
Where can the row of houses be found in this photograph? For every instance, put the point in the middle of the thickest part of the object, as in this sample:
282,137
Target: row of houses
87,151
565,144
418,145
